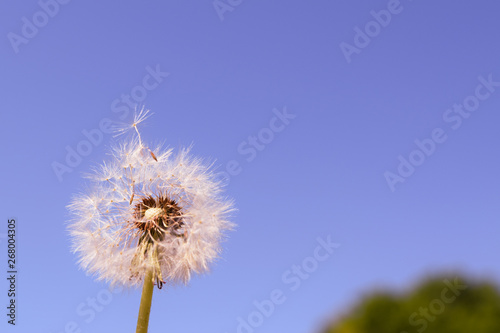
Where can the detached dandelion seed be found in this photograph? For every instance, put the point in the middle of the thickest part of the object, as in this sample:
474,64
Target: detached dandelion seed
149,217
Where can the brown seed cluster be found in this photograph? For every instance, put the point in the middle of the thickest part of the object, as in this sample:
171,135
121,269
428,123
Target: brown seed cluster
169,220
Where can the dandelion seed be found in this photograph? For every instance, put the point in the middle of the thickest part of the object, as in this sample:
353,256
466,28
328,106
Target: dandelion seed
154,156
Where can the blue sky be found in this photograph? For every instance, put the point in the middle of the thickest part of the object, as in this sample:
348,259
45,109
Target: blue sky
217,78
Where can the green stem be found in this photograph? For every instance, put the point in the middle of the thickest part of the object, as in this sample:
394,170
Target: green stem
145,307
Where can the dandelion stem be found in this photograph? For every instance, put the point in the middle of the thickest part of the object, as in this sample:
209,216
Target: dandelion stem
145,307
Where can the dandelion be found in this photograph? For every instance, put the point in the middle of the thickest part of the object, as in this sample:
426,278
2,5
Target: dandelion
149,217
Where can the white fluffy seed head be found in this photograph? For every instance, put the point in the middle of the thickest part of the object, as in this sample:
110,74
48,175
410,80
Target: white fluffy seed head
149,209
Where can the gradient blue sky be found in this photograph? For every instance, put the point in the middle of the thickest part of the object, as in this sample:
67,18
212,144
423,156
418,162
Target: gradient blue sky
322,175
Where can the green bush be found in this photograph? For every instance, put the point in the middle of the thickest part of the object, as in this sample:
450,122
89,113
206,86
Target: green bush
439,305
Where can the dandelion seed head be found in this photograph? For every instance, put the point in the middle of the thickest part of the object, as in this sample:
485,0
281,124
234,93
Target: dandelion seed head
149,209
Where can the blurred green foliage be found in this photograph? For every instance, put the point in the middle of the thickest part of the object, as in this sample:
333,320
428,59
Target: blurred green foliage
439,305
